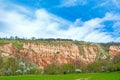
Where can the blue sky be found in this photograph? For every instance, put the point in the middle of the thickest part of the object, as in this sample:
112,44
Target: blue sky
87,20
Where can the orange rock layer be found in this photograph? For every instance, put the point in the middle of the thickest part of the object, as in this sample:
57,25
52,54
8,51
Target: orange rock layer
43,55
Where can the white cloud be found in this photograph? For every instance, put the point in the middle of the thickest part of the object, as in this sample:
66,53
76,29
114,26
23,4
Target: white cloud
43,24
109,4
111,17
2,34
116,28
90,30
69,3
116,3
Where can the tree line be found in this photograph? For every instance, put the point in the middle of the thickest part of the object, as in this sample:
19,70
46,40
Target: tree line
34,38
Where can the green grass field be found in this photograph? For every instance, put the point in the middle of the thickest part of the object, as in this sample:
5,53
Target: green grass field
88,76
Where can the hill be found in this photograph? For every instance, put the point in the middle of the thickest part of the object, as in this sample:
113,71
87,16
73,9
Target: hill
42,53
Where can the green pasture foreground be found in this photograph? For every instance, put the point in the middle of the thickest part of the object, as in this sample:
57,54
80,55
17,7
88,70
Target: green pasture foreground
88,76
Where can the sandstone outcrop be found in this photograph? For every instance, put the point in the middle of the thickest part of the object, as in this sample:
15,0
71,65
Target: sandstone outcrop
45,54
114,50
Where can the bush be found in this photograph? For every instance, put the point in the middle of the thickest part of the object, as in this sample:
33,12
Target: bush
59,69
51,69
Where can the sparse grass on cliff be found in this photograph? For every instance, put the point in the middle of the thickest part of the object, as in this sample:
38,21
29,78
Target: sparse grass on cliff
85,76
17,45
2,42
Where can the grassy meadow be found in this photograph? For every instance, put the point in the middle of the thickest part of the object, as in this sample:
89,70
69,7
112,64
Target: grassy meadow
83,76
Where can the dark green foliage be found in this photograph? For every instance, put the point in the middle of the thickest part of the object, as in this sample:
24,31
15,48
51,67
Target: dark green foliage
116,59
94,67
60,69
10,66
14,66
67,68
51,69
1,65
104,65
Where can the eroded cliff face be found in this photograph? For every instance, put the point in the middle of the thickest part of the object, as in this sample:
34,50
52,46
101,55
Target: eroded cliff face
45,54
114,50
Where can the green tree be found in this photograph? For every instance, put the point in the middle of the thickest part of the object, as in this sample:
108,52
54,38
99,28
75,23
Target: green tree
67,68
94,67
51,69
11,65
1,65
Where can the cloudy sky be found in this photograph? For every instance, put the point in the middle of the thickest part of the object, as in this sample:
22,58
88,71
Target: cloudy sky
87,20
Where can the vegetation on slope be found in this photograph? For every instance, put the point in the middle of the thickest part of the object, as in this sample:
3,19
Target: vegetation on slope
13,65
